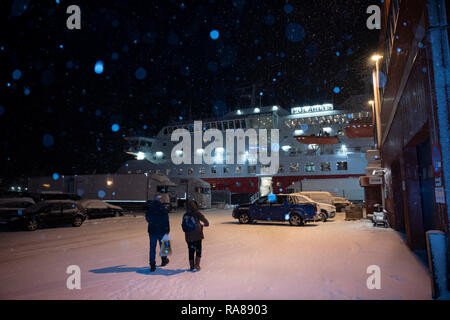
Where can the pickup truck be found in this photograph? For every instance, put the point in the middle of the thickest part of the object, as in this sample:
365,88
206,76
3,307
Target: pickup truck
280,208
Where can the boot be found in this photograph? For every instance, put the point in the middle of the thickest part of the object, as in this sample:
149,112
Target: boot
197,263
192,265
152,268
165,262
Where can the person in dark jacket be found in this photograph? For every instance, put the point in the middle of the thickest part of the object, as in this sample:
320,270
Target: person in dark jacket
158,225
194,238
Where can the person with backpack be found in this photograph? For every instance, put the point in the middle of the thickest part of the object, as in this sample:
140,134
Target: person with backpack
193,230
157,217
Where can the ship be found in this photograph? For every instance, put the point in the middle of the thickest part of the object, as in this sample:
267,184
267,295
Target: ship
319,145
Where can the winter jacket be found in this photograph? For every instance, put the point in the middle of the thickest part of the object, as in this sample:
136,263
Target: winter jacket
197,234
157,217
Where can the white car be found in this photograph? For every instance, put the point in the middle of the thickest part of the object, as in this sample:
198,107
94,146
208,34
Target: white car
326,211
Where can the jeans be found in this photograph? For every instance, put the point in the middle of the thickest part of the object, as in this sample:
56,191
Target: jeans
195,247
155,238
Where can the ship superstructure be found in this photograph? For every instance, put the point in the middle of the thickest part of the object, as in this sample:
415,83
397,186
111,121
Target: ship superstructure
315,142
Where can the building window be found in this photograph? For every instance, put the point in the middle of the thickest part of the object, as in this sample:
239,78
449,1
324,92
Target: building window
251,169
342,165
325,166
238,169
213,170
293,167
310,167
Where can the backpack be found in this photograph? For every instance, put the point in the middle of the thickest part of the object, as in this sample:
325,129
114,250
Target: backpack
189,223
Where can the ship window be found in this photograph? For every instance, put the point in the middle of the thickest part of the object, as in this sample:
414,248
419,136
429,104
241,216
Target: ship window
238,124
191,128
251,169
238,169
165,131
293,167
230,125
342,165
226,170
208,125
179,171
168,171
238,184
278,184
225,125
202,170
219,126
243,124
213,170
341,133
213,125
213,185
170,130
310,167
325,166
281,169
190,171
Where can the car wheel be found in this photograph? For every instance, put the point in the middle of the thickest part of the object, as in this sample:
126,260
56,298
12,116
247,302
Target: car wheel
323,217
244,218
296,220
77,221
32,224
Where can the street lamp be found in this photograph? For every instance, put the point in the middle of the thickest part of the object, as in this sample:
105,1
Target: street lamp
376,93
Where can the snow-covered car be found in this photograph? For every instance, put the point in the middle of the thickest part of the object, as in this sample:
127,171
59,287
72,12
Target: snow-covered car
340,203
96,208
324,199
53,212
280,208
12,208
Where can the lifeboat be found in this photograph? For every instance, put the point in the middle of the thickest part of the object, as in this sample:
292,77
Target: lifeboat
317,139
359,128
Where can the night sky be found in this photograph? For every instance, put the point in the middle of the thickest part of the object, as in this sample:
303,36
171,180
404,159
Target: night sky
160,63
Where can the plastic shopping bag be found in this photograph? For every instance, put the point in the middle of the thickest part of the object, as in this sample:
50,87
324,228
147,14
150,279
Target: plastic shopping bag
166,246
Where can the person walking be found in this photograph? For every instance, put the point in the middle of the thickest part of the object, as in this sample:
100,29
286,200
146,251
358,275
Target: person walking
157,217
194,238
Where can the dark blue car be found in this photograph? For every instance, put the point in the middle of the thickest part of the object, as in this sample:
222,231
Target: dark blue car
279,208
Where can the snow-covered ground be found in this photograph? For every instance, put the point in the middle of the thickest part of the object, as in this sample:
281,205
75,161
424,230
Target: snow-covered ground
260,261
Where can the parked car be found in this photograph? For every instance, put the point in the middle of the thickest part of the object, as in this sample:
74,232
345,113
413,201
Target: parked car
280,208
96,208
12,208
53,212
325,210
324,199
340,203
